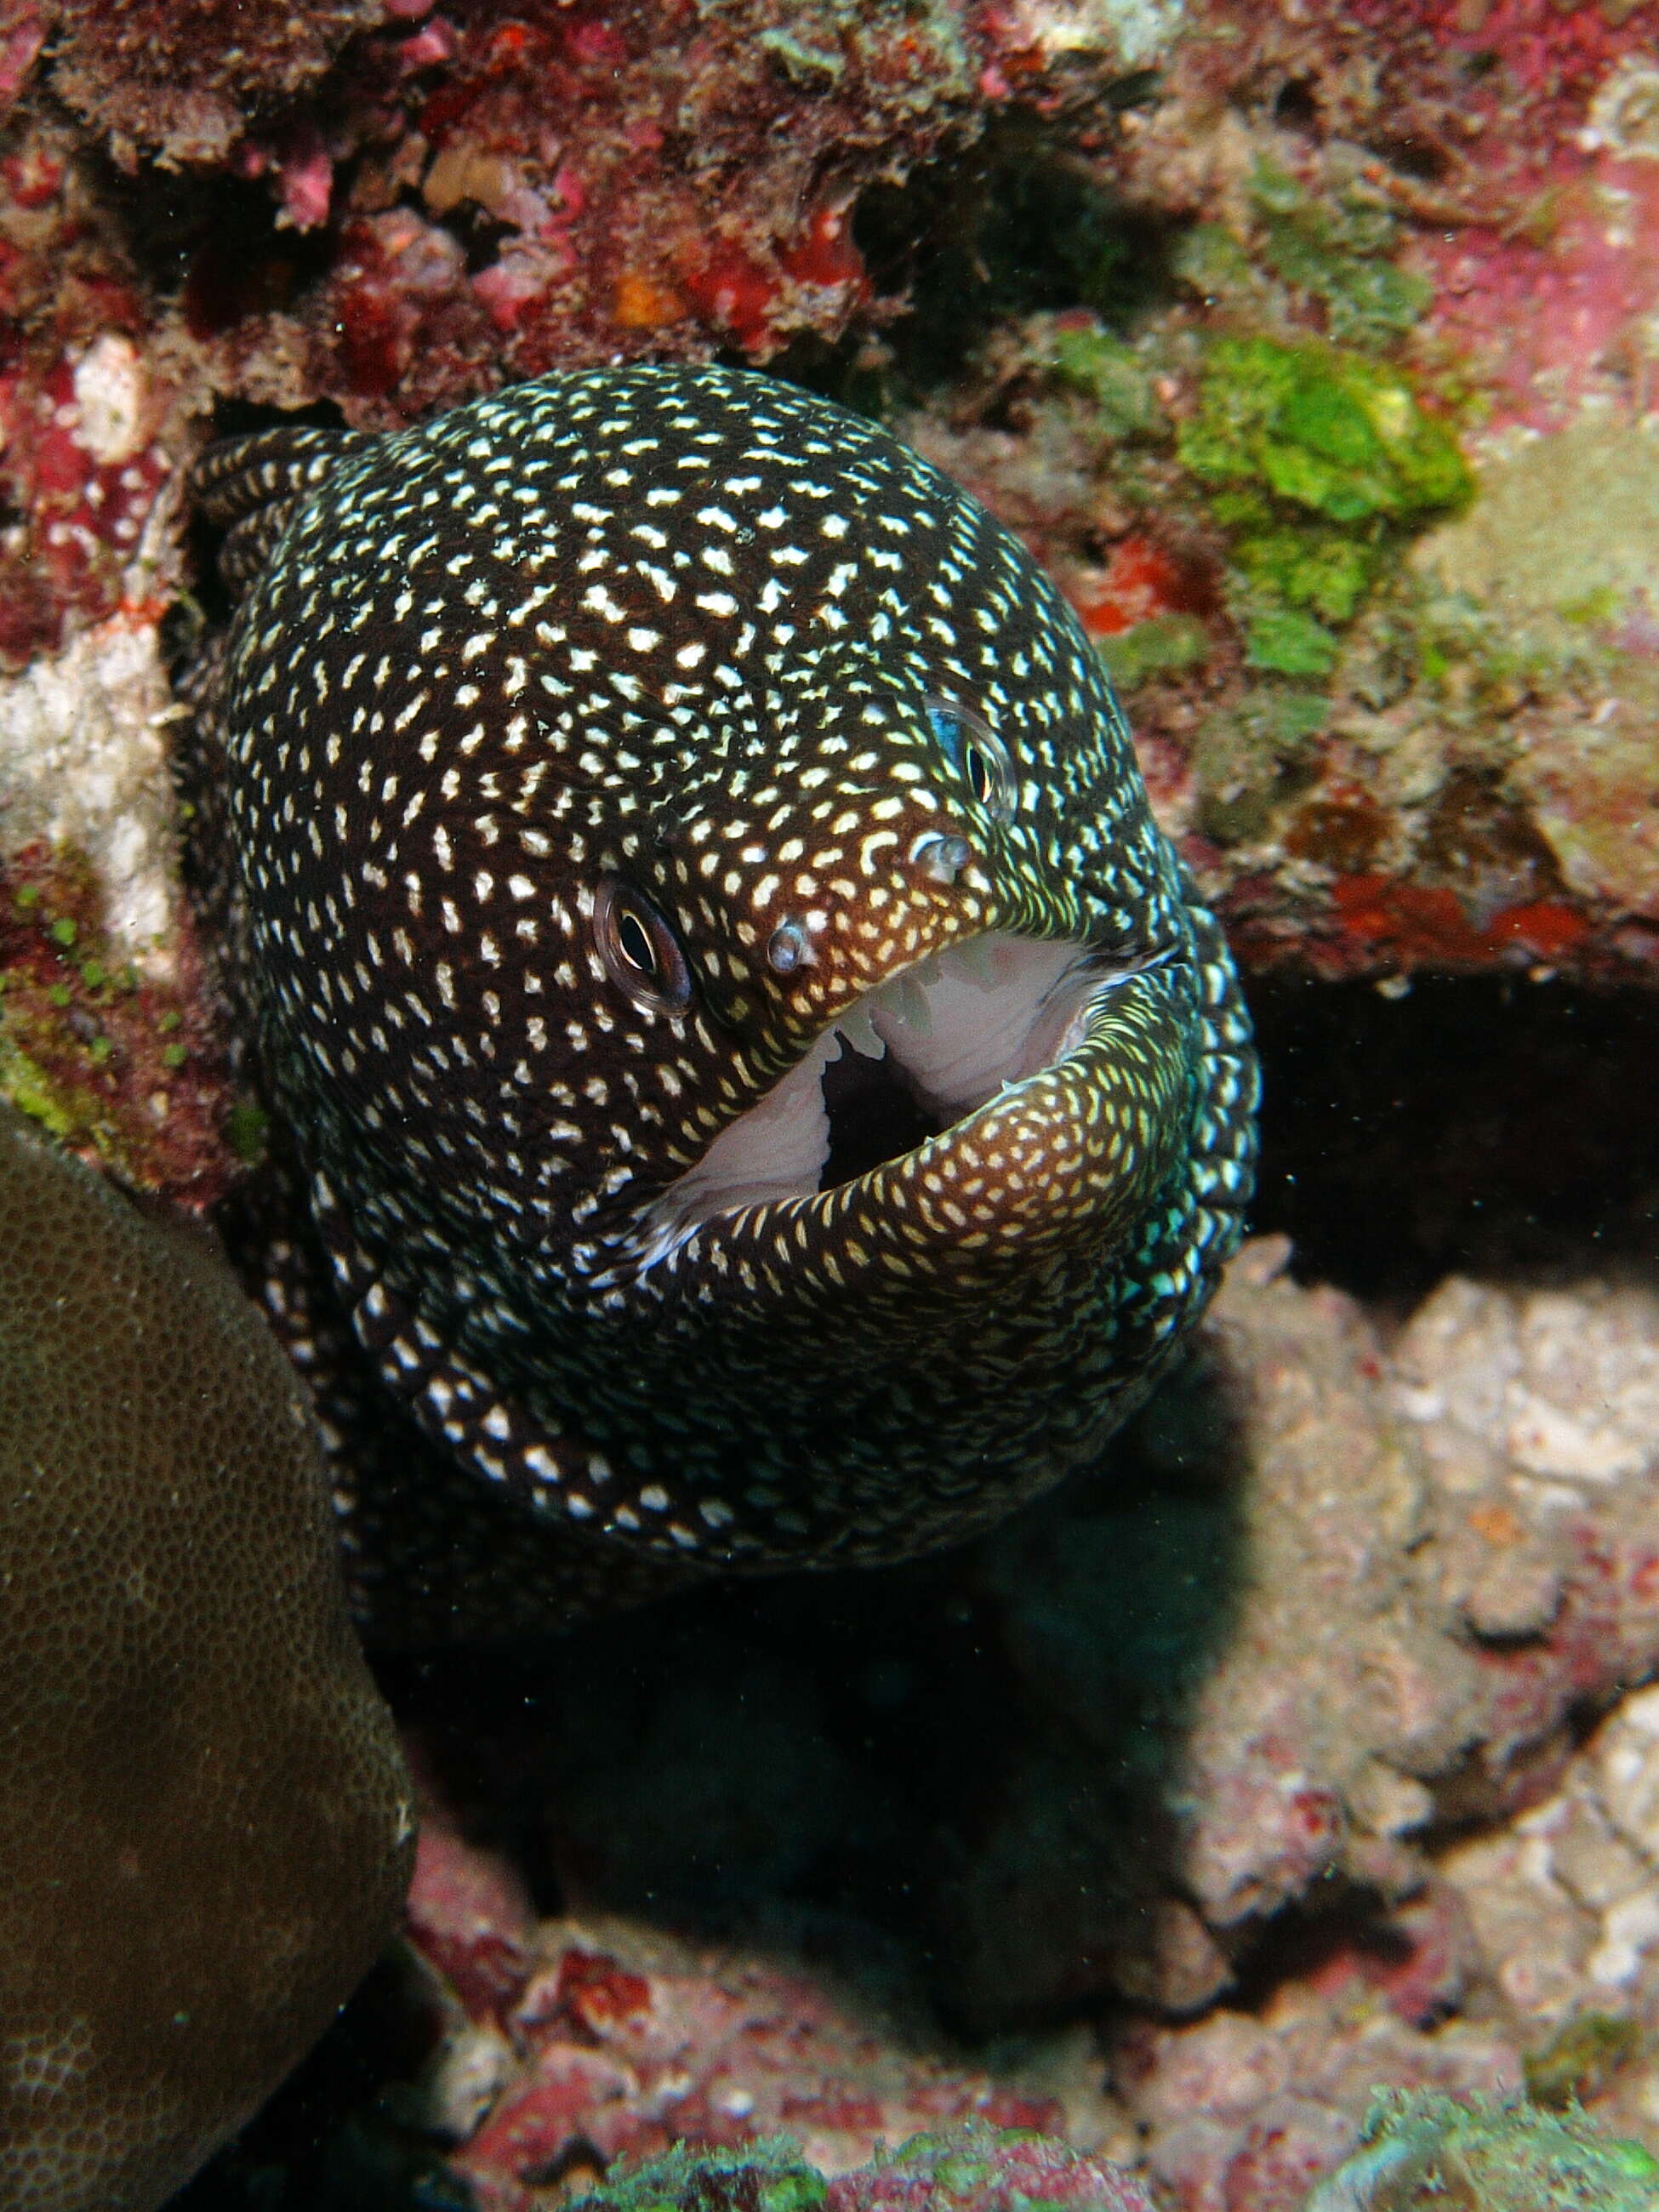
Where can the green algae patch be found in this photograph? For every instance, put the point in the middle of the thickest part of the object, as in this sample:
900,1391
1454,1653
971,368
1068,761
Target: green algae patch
1336,248
967,2168
1581,2058
770,2174
1111,376
1289,643
1251,758
1423,2151
1322,427
120,1067
959,2173
1342,252
1163,645
1318,464
1327,571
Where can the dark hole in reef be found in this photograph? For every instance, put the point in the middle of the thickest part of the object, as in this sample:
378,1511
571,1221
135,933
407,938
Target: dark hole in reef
1295,108
874,1116
235,418
212,242
578,2158
329,2139
1141,88
1351,1930
1015,227
1421,159
1481,1125
480,235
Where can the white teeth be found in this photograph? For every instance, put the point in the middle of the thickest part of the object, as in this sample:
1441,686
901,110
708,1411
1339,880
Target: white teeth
860,1032
913,1008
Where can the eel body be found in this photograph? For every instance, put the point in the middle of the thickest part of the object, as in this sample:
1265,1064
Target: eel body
770,1094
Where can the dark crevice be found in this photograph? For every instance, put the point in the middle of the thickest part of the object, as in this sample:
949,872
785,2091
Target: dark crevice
1015,226
1420,158
1484,1126
212,242
330,2140
479,234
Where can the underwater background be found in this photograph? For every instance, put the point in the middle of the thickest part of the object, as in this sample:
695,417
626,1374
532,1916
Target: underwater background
1302,1750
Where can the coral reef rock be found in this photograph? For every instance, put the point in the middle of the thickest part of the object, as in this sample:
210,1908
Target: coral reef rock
583,2041
1425,2151
1271,1755
1430,1559
971,2169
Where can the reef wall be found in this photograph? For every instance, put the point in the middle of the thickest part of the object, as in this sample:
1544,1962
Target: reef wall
1312,348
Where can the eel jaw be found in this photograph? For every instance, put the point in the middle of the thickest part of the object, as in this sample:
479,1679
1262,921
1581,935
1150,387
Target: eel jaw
899,1075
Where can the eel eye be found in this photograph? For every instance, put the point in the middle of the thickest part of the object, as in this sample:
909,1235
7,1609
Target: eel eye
641,953
980,756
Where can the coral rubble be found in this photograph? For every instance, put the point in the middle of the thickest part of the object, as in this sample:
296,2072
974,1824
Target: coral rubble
1275,1762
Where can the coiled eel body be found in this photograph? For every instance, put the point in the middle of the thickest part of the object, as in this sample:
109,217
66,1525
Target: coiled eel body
771,1095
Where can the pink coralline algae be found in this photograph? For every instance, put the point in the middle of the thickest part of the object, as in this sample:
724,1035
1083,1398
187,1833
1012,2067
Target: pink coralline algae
107,1032
85,416
586,2043
1544,288
79,468
1385,747
497,191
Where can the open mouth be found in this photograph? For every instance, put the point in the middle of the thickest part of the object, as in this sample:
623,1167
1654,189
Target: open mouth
906,1062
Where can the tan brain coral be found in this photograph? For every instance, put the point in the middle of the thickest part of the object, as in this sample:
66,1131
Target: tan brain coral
205,1823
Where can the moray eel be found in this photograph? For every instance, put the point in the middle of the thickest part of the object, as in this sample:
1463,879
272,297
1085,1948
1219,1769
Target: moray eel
771,1095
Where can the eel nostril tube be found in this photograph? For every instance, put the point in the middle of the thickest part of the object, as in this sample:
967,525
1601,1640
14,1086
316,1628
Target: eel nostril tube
941,858
789,948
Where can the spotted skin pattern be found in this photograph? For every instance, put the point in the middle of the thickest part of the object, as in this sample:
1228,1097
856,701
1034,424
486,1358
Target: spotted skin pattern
671,644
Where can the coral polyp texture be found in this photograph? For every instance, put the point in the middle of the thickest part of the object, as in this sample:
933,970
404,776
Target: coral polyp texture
206,1825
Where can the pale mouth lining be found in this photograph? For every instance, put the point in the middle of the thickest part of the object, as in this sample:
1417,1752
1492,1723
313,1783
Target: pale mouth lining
906,1062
